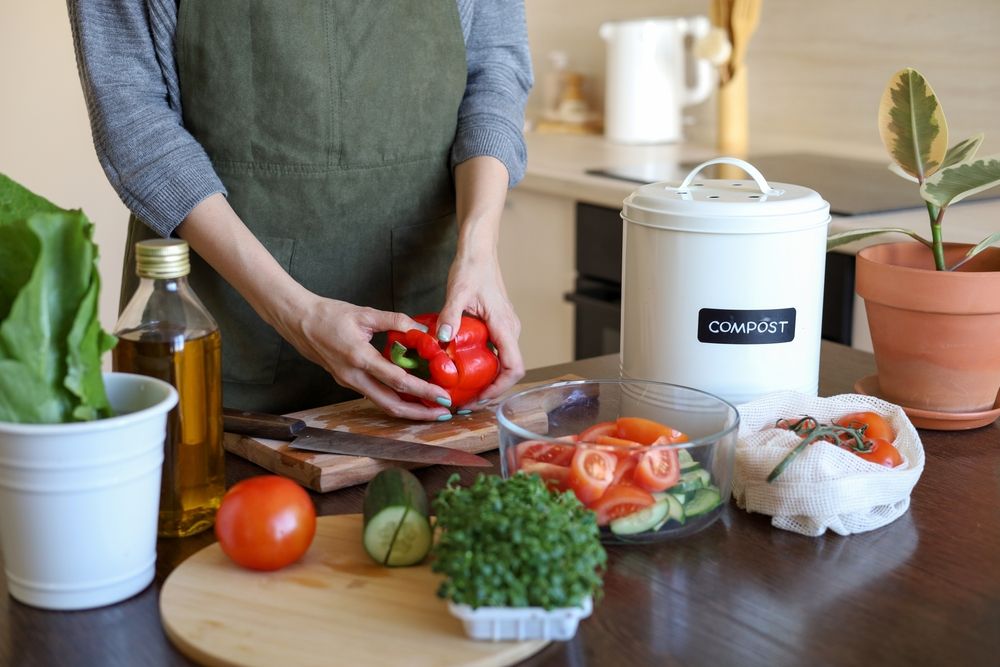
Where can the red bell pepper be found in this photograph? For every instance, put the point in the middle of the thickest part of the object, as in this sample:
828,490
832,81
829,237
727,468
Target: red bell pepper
463,366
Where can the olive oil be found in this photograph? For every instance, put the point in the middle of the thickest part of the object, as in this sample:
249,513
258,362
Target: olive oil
165,332
193,479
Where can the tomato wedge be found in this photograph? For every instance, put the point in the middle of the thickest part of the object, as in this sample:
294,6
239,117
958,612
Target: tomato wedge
546,452
624,469
617,442
657,470
601,428
647,431
555,476
591,472
618,501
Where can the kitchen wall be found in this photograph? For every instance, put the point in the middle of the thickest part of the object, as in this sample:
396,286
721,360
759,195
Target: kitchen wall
816,72
817,69
44,132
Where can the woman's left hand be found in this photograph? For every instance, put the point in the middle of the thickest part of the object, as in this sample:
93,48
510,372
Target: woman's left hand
475,285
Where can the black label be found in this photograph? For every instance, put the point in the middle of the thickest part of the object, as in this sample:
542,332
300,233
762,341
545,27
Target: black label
746,327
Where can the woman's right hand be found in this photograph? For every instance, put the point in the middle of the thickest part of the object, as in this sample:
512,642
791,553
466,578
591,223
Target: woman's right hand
334,334
337,336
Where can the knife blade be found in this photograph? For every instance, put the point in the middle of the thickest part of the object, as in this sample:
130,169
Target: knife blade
329,441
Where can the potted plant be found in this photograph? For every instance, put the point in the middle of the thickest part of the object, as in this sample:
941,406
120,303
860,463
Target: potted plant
520,561
80,451
933,307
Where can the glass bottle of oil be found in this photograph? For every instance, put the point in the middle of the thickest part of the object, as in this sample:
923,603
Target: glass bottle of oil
165,332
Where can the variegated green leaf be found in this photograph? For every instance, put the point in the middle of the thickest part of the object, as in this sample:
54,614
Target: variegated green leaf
912,124
981,246
843,238
896,169
963,150
961,180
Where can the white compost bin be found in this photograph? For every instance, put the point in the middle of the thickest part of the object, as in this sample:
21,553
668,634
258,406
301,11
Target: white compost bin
722,284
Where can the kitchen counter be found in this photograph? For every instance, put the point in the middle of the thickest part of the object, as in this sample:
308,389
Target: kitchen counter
558,165
923,590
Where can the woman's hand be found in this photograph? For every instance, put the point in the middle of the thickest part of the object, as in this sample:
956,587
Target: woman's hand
334,334
337,336
475,285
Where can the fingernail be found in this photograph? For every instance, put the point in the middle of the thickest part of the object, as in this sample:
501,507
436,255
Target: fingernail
444,333
463,411
445,417
484,401
421,327
443,400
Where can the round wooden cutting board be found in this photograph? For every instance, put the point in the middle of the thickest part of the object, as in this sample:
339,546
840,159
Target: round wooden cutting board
334,607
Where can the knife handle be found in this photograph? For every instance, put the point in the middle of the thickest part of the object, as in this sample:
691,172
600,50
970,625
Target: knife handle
261,425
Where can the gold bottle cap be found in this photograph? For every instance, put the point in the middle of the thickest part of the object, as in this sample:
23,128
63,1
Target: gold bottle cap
162,258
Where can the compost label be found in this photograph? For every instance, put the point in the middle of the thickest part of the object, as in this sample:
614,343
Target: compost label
746,327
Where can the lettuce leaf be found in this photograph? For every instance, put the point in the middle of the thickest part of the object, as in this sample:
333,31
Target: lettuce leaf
51,342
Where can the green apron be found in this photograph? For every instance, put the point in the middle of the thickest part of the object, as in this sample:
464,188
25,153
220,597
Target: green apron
331,124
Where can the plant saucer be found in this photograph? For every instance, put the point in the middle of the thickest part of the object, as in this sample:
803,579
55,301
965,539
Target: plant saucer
933,419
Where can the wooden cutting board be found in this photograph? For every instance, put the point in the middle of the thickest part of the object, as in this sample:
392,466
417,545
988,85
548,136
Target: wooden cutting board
475,432
333,607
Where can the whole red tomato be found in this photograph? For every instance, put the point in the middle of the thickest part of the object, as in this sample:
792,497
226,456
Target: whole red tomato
874,424
265,523
880,451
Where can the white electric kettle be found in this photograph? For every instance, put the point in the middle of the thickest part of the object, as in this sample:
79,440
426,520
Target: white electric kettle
646,84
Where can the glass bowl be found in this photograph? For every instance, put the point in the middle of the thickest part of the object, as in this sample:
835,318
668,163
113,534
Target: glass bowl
653,460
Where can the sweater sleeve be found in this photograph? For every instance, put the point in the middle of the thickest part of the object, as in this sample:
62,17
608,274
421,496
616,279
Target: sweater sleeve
157,168
491,115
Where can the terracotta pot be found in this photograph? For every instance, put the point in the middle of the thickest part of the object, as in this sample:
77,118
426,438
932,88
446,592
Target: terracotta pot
935,334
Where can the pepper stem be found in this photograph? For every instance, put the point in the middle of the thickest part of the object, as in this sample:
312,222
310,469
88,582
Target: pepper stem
400,358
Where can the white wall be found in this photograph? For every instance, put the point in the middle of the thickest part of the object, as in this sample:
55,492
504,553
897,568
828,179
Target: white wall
816,69
45,139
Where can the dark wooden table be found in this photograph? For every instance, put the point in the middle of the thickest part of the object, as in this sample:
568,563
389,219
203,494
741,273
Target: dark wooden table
924,590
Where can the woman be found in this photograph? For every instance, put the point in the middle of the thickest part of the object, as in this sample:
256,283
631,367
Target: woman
316,154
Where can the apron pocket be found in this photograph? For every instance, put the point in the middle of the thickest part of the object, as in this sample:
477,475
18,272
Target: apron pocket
250,346
421,257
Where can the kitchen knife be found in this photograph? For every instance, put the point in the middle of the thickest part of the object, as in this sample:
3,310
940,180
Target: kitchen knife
329,441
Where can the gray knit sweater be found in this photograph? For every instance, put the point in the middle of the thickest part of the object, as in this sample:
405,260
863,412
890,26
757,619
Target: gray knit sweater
125,54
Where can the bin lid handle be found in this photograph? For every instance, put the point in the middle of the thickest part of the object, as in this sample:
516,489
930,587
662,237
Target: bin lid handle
742,164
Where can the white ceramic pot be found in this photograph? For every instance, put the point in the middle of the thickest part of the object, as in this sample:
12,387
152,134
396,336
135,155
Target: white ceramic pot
79,501
722,284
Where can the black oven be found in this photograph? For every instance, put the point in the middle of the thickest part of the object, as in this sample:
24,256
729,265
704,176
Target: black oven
598,287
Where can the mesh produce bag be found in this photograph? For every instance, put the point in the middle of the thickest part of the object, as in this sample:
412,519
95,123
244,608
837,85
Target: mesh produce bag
824,487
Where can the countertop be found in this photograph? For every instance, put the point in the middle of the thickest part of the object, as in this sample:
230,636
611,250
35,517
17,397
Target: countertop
558,165
922,590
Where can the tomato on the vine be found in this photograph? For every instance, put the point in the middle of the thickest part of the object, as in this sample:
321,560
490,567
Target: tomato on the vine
872,424
880,451
265,522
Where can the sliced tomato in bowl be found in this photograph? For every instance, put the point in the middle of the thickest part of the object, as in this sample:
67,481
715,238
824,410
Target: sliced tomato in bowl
591,472
647,431
657,469
597,430
555,476
546,452
618,501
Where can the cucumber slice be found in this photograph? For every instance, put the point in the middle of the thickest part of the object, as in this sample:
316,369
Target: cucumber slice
397,536
681,496
697,476
685,460
675,511
396,528
689,485
643,520
704,500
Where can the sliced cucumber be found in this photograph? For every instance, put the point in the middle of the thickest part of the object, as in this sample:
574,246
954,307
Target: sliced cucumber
685,460
675,511
699,476
396,528
643,520
704,500
681,496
